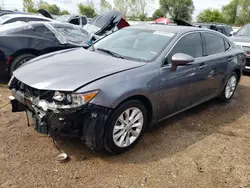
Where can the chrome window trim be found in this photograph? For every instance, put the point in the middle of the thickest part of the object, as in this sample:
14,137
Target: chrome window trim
201,39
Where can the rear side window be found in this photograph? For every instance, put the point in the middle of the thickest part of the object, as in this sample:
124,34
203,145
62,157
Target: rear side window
227,45
214,44
45,30
190,44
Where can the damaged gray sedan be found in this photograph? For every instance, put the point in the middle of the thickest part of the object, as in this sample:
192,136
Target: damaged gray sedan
109,94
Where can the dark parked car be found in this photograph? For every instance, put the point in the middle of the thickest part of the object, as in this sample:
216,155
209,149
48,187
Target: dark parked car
20,41
25,41
222,28
242,39
111,93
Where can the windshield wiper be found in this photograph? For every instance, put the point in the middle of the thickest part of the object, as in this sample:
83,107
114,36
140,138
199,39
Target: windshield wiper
111,53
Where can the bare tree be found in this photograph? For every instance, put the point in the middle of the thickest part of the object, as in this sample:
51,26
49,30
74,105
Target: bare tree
105,6
139,8
122,5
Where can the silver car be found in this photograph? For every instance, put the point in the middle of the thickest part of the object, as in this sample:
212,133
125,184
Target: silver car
109,94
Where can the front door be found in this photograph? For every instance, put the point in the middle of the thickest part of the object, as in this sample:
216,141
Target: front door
180,86
175,89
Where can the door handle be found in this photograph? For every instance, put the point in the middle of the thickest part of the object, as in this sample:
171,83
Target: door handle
202,66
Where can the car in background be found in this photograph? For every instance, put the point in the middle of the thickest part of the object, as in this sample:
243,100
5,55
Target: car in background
170,21
97,27
10,18
104,24
222,28
126,82
21,41
73,19
242,39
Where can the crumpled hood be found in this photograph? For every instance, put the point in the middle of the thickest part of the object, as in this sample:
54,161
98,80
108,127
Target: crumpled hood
242,39
68,70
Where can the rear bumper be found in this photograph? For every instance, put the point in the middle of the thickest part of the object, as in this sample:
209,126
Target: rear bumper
87,122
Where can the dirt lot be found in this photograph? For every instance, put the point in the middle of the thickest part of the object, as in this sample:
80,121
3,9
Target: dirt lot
208,146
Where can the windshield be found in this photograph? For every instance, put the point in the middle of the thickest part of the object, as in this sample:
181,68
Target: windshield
136,44
69,34
244,31
63,18
14,27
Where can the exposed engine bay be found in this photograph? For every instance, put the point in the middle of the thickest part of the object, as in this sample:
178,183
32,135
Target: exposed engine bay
50,117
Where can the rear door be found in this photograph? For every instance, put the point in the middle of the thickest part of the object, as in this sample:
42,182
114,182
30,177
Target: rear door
218,56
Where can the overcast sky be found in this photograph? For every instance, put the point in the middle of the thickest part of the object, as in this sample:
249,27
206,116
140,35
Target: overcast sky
71,5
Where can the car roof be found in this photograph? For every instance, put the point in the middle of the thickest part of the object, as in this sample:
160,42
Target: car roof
168,28
10,16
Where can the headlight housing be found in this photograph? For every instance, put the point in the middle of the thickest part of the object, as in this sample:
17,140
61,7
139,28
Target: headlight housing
63,100
79,99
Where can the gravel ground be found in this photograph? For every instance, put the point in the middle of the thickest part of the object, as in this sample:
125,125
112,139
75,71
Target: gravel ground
207,146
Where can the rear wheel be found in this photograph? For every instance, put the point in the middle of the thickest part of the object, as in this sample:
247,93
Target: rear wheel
19,60
125,127
230,88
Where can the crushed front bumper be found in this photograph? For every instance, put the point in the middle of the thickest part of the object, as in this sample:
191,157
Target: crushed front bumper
86,122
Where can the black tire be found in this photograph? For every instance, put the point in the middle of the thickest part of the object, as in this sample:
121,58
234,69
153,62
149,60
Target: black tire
18,61
222,96
108,138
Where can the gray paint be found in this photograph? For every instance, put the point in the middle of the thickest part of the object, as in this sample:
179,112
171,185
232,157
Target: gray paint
240,39
168,91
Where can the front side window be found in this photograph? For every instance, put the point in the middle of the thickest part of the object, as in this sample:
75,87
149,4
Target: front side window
214,44
190,44
136,43
75,21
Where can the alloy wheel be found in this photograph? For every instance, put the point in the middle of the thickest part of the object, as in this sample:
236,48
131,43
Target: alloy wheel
128,127
230,87
22,62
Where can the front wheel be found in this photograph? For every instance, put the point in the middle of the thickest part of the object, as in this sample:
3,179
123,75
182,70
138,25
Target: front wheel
125,127
230,88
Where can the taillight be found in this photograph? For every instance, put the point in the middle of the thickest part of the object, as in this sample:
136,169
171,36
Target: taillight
8,60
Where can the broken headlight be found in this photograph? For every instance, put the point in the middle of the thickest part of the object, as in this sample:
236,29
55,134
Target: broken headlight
67,100
59,96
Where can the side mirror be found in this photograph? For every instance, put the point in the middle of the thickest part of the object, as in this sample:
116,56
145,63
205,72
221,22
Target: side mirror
232,33
180,59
